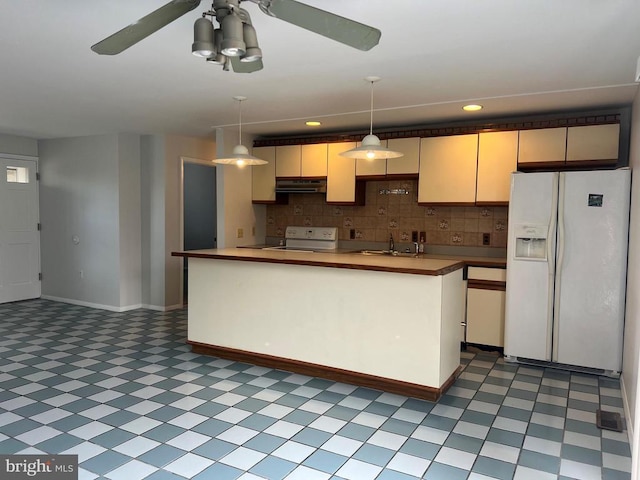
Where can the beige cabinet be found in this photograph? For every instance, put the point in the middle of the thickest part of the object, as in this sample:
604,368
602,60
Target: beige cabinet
263,177
544,145
409,164
497,159
448,169
314,160
593,142
486,306
288,161
371,167
341,174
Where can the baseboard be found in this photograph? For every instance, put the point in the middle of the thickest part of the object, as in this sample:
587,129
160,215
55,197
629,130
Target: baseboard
627,411
161,308
100,306
331,373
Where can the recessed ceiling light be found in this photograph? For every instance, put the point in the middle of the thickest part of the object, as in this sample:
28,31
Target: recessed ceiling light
312,123
472,108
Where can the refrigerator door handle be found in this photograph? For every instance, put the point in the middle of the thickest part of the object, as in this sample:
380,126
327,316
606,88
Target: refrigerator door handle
551,264
558,275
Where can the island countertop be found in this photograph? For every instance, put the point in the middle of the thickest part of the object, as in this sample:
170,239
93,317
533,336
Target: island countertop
421,265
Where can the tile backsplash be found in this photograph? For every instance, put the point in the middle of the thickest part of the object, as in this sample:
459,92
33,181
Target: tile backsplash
392,208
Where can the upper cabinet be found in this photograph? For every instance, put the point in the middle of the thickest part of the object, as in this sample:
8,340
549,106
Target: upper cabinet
263,177
580,146
409,164
314,160
288,161
448,169
341,176
497,159
593,142
544,145
375,167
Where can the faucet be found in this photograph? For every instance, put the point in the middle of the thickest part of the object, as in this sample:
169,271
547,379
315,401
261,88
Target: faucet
392,246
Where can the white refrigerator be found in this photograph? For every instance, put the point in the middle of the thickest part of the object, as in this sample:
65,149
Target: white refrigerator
566,268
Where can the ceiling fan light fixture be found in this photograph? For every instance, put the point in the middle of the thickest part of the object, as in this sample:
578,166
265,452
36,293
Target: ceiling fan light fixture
232,36
253,52
371,148
203,41
240,155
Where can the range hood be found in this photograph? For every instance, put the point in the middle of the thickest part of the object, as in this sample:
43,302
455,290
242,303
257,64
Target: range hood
301,186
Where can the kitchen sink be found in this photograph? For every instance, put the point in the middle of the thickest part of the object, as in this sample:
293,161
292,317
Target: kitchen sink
388,253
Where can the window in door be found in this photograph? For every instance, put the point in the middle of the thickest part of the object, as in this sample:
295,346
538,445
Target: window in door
17,174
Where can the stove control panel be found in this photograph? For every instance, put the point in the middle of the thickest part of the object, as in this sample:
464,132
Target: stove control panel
312,233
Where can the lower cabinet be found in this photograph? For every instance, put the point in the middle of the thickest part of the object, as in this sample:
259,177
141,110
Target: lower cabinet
486,290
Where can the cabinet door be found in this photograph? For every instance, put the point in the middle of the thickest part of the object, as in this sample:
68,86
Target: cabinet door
288,161
448,169
263,177
314,160
371,168
410,162
485,316
497,159
593,142
545,145
341,174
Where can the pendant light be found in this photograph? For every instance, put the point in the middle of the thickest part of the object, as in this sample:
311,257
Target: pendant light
240,155
371,147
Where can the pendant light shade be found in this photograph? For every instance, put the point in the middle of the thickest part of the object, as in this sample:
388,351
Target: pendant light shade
371,147
233,36
240,155
202,38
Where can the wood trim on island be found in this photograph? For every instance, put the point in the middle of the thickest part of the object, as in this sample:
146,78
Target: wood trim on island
330,373
324,260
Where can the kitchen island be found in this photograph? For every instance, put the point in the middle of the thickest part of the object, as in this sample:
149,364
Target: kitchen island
390,323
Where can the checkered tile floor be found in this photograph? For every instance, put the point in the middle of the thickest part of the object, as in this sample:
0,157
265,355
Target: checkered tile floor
124,393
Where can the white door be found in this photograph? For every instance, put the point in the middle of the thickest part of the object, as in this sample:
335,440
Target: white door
591,268
529,296
19,235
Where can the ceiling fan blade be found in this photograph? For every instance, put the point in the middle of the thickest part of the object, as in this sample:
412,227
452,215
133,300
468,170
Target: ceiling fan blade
330,25
245,67
144,27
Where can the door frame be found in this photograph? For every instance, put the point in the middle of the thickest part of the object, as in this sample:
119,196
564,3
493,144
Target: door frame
183,161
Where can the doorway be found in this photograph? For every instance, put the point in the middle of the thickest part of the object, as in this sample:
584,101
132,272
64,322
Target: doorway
19,230
199,208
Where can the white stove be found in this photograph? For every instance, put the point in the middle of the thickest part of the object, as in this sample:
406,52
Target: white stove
309,239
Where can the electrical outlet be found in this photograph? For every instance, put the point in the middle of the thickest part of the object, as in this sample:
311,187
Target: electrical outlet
240,233
486,239
414,236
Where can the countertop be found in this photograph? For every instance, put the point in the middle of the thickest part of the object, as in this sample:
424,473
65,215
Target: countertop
422,265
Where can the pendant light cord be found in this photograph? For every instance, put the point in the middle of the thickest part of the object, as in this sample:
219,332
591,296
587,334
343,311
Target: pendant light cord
371,118
240,122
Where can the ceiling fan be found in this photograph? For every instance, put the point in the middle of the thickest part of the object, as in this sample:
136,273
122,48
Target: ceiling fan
234,40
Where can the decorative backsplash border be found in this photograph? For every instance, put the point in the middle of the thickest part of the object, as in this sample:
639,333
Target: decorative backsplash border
391,211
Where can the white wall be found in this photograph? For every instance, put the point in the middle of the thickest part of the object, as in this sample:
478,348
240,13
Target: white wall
130,242
79,196
630,365
235,209
18,145
160,203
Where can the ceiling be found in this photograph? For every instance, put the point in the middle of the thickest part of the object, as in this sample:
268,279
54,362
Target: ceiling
513,57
